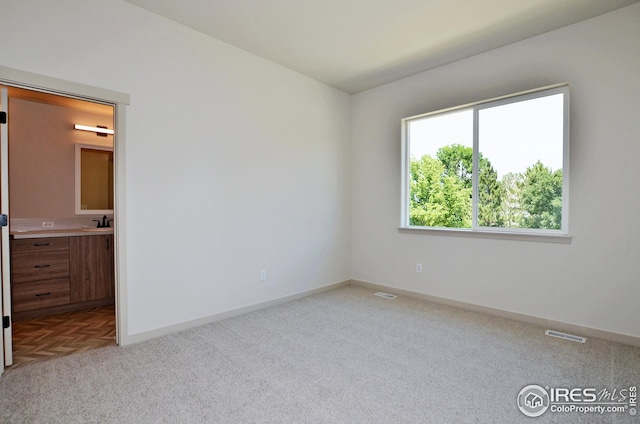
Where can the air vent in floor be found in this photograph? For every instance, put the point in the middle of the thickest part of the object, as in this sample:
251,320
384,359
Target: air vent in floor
385,295
565,336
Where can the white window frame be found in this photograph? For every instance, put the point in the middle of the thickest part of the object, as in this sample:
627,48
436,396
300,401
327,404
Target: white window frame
531,234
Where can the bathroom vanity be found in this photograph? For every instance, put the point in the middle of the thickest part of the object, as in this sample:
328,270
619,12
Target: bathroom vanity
61,271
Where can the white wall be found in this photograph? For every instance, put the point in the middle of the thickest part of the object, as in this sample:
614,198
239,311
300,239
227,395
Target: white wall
594,281
233,164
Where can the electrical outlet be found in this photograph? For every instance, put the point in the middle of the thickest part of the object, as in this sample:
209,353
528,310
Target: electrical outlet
418,268
47,224
263,274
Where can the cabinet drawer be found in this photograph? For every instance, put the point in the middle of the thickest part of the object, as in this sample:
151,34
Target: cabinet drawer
39,245
41,294
39,266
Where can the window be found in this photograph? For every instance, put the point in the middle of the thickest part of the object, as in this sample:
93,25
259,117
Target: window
499,165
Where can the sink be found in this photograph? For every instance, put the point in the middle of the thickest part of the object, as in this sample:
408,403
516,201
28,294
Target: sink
99,230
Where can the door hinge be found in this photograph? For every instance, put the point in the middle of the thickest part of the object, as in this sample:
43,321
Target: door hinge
4,220
3,117
6,322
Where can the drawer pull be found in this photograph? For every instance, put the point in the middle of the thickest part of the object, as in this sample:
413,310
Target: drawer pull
41,244
43,294
42,266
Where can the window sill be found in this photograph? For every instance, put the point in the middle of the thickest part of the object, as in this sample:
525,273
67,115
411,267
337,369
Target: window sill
496,235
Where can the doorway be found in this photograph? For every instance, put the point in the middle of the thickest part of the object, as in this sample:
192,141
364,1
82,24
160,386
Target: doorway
31,87
48,230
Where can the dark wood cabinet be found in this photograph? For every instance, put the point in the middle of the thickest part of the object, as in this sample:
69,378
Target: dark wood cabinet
39,273
60,274
40,295
91,270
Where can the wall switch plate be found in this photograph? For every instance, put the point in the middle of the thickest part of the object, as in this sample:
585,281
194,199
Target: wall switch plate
418,268
263,274
47,224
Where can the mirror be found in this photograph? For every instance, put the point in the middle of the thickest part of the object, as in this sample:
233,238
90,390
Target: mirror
94,179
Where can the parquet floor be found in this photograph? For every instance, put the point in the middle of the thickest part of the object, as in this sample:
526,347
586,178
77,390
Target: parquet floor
44,338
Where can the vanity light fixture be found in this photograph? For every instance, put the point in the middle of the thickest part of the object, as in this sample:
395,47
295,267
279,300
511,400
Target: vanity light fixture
99,130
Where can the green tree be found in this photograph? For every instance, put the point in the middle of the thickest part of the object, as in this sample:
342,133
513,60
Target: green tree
511,210
458,161
437,199
425,180
491,195
541,197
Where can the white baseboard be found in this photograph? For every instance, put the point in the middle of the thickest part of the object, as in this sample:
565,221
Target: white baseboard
542,322
151,334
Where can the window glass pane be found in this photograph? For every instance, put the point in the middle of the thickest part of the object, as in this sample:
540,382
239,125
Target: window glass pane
520,164
440,170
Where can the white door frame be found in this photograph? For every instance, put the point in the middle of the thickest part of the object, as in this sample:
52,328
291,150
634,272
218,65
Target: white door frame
6,340
27,80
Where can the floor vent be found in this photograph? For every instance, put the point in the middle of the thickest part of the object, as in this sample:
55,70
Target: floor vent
565,336
386,295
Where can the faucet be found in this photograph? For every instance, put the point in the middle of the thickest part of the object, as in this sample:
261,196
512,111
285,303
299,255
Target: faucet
105,223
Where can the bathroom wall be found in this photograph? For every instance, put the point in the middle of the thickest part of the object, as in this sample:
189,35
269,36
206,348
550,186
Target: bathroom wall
42,156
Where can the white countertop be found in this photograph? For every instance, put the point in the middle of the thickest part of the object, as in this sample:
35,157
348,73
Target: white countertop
67,232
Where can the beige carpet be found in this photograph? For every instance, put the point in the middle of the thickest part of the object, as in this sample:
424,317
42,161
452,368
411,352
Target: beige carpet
343,356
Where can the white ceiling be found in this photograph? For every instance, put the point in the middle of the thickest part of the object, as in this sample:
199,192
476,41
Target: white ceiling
355,45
